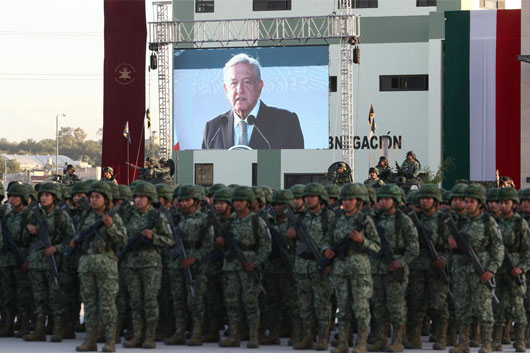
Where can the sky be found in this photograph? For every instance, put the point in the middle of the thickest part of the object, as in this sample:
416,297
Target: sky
51,63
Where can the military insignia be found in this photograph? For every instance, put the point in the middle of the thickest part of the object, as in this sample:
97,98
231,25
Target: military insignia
124,74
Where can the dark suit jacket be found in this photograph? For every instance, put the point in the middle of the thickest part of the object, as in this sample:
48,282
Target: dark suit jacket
279,127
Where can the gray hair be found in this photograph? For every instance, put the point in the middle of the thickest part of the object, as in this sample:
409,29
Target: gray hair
242,59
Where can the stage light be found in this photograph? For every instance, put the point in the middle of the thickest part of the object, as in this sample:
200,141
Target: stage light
153,62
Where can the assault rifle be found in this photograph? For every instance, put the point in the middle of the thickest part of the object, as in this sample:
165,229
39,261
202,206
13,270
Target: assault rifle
10,245
138,239
233,247
178,249
431,249
398,274
308,245
511,265
86,236
133,166
278,250
335,208
469,253
43,241
83,203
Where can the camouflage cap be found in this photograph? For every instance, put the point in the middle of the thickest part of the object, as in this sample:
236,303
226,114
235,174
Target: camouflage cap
508,193
492,194
297,190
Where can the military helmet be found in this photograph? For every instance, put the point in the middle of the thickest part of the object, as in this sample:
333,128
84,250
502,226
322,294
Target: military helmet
458,190
176,192
243,193
373,170
223,195
297,190
216,187
354,191
146,189
372,194
125,192
492,194
80,188
51,188
66,191
205,190
430,190
383,158
165,191
508,193
315,189
411,153
135,183
524,194
19,190
109,170
412,198
70,166
390,190
103,188
191,192
446,196
162,160
477,192
31,191
259,194
332,190
267,190
2,191
283,197
115,189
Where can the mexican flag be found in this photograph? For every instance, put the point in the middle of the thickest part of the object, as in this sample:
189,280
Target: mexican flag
482,94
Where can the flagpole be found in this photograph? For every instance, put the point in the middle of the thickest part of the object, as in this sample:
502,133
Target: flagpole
128,167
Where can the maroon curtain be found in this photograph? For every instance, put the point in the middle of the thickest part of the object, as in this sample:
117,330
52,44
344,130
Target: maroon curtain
124,85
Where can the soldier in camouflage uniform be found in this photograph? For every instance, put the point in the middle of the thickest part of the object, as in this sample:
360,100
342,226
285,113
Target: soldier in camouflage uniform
108,175
70,177
472,296
197,237
281,290
389,306
351,269
15,281
427,293
384,170
252,236
298,191
98,270
143,270
46,295
492,200
524,211
516,239
3,210
314,289
373,179
411,166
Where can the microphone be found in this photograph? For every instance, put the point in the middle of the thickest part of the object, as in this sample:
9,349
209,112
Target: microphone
224,120
251,120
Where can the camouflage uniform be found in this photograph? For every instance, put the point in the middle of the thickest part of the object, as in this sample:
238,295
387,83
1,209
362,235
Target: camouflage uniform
412,168
143,271
98,273
472,296
389,306
352,271
197,238
16,284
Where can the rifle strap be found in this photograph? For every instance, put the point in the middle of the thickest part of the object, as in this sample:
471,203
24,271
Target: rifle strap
325,220
255,221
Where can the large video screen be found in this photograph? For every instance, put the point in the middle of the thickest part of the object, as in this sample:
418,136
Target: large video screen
221,102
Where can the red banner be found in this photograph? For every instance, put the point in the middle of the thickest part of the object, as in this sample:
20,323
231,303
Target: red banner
124,85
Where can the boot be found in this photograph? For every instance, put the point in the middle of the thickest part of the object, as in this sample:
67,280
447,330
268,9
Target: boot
306,342
69,328
253,333
110,335
296,331
196,336
451,335
89,344
497,339
323,338
527,336
397,337
234,339
414,341
8,330
150,335
212,334
39,334
519,345
57,330
474,333
136,340
360,343
24,326
342,342
485,346
178,338
441,336
380,341
463,341
274,336
507,338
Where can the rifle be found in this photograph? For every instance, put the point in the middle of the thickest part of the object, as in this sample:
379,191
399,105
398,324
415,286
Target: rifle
511,265
138,239
233,247
86,236
398,274
43,234
468,252
10,245
133,166
428,244
307,245
179,250
278,250
335,208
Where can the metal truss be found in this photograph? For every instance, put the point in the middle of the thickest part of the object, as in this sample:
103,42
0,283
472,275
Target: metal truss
344,26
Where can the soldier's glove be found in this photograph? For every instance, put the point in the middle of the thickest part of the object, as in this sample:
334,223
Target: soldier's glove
486,276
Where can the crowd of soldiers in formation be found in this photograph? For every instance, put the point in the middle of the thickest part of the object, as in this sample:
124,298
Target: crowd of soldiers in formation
188,264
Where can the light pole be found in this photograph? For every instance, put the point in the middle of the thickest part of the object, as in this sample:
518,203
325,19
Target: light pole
57,142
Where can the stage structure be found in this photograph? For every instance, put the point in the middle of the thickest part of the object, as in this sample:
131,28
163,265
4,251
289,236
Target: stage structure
343,25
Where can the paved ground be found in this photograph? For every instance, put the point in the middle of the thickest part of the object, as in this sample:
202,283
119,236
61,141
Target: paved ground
9,345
